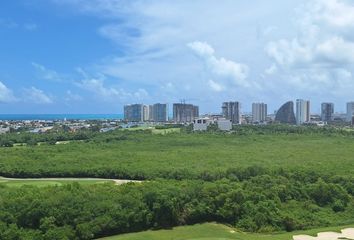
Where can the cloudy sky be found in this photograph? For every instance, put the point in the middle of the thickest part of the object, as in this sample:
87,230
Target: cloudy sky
79,56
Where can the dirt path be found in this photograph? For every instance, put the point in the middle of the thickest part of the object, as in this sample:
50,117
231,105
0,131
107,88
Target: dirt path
116,181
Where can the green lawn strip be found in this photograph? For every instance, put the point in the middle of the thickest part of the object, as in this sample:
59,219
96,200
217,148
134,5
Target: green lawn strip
213,231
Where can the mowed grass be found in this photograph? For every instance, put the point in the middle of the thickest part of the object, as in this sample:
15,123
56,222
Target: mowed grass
148,155
213,231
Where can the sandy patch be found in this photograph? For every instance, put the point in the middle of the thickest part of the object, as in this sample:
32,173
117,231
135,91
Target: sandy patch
347,233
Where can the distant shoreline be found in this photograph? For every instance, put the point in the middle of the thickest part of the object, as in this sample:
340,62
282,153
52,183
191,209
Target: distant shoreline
19,117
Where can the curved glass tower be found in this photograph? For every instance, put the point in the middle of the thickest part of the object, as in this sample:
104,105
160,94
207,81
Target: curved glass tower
286,114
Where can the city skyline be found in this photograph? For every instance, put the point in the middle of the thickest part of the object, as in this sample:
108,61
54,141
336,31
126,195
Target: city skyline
58,56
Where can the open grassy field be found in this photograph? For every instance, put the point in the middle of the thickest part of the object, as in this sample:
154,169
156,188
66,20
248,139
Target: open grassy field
213,231
146,155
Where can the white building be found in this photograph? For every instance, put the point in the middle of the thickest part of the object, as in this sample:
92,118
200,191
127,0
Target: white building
224,124
201,124
350,111
302,111
259,112
146,113
4,130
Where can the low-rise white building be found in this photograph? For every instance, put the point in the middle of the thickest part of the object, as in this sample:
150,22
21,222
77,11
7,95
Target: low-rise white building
4,130
224,124
201,124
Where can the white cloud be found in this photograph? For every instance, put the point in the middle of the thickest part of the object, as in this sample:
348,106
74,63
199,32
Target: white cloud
215,86
46,74
308,54
320,58
6,94
35,95
111,93
221,67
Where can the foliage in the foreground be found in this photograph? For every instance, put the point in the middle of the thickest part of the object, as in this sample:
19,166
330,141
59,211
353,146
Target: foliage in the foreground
262,203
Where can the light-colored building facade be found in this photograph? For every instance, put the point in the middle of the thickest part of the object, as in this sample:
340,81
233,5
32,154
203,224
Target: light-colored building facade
302,111
350,111
146,113
231,111
327,111
134,113
224,124
259,112
185,113
201,124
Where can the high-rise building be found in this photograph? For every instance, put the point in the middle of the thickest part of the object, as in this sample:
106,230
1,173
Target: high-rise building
151,113
160,112
350,111
231,111
285,114
134,113
259,112
327,111
302,111
184,113
146,113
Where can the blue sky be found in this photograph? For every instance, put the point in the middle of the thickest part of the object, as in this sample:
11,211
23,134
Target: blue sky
78,56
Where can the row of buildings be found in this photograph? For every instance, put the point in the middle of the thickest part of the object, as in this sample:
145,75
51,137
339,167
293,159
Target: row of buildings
302,115
187,113
182,112
144,113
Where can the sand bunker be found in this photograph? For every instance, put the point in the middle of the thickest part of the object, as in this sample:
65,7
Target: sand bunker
347,233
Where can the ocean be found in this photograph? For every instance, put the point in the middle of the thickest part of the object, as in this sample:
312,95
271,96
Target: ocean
60,116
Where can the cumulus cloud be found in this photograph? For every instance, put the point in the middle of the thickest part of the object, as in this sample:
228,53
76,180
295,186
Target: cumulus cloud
46,74
6,94
306,53
320,58
110,93
35,95
215,86
221,67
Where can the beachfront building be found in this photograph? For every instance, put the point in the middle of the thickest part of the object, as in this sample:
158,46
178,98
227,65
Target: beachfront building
160,112
134,113
302,111
259,112
146,113
231,111
350,111
286,114
185,113
327,111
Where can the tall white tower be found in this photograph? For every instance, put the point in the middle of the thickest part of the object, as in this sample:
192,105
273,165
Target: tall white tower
302,111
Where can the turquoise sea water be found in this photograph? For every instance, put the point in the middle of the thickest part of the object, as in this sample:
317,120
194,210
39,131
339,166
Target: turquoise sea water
60,116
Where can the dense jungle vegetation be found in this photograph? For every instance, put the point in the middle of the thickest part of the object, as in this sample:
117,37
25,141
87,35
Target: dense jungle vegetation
257,178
